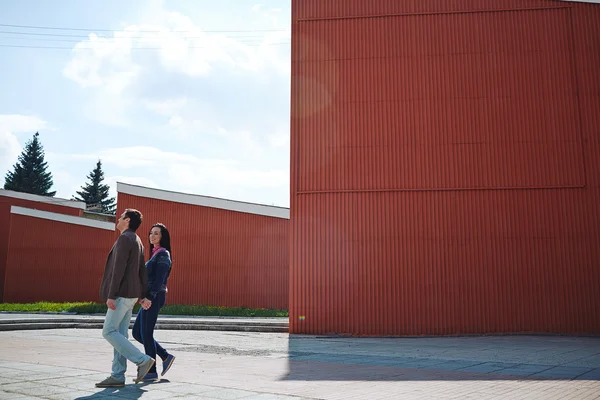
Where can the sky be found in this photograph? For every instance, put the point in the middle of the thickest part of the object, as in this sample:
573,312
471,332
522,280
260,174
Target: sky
190,96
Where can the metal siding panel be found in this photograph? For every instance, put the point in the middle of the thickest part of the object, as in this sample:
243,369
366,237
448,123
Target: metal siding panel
4,235
442,103
482,262
368,256
333,9
220,257
54,261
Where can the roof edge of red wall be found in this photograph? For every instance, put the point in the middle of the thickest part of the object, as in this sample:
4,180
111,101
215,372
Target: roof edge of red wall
69,219
204,201
43,199
584,1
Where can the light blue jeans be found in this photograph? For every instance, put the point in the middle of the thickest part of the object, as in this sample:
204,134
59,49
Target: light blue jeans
116,332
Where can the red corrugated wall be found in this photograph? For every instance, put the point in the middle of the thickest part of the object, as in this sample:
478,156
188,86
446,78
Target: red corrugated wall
54,261
220,257
444,167
5,204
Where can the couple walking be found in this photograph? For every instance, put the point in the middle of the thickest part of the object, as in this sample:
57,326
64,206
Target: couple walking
129,280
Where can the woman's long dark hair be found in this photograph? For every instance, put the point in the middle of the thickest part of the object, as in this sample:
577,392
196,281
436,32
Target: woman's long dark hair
165,239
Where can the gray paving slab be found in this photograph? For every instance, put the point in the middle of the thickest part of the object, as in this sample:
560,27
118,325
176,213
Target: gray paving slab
593,374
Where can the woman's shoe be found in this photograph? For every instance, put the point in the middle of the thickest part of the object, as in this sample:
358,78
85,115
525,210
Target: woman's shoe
167,364
150,376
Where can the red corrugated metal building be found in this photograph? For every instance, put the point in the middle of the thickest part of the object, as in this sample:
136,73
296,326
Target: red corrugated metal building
444,167
55,257
10,198
225,253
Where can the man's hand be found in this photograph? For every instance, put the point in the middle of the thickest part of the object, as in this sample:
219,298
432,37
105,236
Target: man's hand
145,303
111,304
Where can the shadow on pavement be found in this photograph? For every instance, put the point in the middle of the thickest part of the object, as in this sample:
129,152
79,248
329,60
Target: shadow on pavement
129,391
313,358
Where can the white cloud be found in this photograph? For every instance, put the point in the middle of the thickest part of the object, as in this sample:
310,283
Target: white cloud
132,180
10,126
65,184
188,173
21,123
188,118
279,140
219,96
109,109
110,68
167,107
88,65
105,65
183,117
179,46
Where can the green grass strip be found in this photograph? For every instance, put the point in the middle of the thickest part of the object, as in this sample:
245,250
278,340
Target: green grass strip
169,309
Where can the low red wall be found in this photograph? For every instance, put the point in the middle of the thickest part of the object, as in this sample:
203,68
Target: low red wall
221,257
10,198
48,260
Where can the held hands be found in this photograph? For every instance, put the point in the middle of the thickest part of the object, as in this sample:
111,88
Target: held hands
145,303
110,303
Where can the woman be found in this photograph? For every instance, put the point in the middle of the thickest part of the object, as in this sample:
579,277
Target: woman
159,269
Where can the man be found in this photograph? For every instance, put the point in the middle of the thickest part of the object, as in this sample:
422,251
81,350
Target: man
125,281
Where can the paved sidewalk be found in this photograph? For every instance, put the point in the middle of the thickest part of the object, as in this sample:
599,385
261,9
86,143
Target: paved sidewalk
65,364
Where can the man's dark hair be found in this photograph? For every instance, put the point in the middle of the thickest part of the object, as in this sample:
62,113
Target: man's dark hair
135,218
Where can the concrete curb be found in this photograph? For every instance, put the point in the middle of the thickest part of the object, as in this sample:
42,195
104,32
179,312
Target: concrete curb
170,322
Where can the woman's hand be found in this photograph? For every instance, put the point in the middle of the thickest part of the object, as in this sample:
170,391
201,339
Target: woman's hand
145,303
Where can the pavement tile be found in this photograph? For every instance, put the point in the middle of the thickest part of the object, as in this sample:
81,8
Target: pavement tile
146,394
16,374
455,365
186,397
266,396
79,383
487,367
76,395
187,388
227,394
563,372
13,365
33,389
523,370
15,396
593,374
423,364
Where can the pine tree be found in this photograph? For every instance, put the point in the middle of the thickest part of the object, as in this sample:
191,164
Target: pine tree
95,193
30,174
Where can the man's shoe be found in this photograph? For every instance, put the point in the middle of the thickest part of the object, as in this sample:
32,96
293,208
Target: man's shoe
150,376
110,382
143,369
167,364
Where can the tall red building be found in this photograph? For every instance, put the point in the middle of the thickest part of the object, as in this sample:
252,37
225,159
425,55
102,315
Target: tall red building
445,170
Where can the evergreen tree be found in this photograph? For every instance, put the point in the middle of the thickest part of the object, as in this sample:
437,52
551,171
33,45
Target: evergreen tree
95,193
30,174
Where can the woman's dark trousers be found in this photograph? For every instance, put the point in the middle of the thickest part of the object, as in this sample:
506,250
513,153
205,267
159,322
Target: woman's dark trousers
143,329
